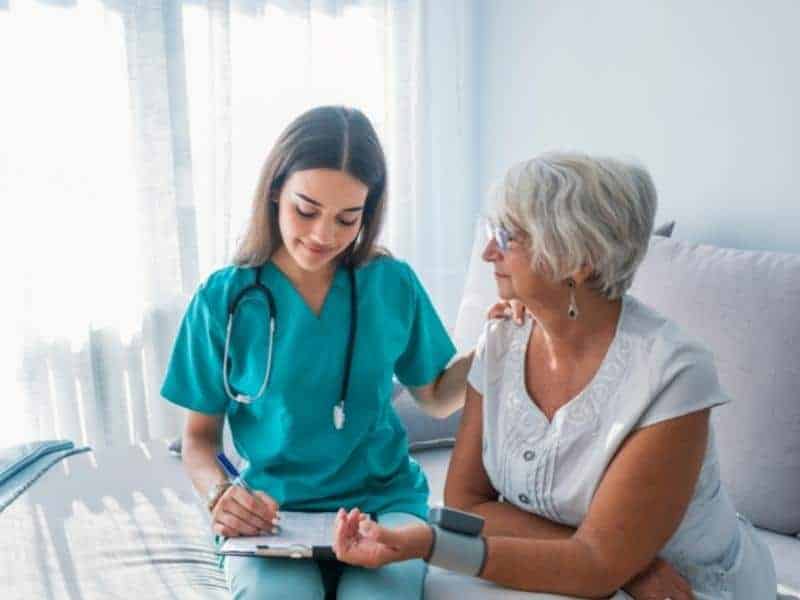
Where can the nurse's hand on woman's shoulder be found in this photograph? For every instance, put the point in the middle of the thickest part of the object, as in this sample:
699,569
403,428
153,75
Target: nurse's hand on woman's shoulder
239,512
507,309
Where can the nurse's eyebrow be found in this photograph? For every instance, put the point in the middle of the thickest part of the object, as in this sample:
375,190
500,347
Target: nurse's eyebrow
315,203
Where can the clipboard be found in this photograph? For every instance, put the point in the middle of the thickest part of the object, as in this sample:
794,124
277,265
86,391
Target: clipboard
302,535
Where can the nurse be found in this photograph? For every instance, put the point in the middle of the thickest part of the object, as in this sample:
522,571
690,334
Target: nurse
296,344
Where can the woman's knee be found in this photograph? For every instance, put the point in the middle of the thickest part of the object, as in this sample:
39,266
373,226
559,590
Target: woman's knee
251,578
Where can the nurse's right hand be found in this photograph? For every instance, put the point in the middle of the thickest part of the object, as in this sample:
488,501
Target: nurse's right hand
239,512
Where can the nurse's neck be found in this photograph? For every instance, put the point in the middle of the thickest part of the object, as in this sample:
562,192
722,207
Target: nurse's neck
303,279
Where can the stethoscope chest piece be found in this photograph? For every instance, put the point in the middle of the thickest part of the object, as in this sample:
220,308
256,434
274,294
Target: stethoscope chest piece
338,416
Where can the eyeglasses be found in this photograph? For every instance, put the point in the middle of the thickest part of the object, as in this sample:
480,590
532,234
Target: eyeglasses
499,234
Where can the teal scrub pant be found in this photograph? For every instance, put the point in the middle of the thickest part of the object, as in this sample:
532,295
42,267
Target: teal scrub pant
251,578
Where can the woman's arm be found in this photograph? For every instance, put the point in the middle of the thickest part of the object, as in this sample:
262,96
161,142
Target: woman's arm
636,509
445,395
468,486
638,506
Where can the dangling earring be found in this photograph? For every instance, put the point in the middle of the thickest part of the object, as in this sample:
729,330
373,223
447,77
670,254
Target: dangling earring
572,311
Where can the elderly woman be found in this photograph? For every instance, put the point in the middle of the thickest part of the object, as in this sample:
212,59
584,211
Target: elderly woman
585,441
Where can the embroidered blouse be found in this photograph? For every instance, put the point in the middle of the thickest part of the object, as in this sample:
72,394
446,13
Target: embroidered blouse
651,372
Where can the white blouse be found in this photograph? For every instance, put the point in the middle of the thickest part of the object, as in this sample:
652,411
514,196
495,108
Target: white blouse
651,372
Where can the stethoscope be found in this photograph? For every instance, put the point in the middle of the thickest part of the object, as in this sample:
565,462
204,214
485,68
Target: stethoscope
338,409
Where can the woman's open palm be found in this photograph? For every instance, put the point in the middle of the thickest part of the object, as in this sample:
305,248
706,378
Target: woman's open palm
358,540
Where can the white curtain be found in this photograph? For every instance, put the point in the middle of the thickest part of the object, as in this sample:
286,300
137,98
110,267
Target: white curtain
131,137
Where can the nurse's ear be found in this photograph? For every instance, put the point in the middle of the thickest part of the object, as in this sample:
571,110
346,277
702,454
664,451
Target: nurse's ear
356,240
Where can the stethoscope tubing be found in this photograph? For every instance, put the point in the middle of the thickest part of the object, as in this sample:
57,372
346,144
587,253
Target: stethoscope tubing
244,399
338,413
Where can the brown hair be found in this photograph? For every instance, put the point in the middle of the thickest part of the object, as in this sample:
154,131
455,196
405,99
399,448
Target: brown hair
327,137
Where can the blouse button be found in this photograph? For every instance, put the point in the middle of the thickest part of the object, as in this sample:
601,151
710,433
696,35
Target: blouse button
524,499
529,455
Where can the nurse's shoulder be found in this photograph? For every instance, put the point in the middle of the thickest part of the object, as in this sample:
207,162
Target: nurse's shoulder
222,286
389,276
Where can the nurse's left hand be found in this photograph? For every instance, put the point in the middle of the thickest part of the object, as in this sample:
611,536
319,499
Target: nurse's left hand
358,540
508,309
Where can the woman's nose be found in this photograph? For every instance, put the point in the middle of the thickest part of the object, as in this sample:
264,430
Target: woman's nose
491,252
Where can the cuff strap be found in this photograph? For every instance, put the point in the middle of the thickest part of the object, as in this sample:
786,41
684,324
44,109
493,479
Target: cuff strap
458,552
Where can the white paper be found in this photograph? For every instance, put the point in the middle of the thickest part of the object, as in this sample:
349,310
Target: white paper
309,530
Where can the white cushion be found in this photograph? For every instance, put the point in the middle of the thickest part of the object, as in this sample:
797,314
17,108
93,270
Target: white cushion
744,305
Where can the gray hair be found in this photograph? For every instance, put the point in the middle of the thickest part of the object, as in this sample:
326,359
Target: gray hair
581,210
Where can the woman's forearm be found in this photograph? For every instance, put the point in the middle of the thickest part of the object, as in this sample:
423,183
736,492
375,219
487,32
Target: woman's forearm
506,520
503,519
561,566
567,567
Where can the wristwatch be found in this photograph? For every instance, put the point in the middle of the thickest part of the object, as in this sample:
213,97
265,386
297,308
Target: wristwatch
215,493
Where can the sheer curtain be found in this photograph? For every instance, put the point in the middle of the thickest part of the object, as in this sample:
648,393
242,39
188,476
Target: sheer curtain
131,137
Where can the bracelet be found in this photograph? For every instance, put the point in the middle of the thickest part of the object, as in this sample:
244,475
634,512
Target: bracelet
457,552
215,493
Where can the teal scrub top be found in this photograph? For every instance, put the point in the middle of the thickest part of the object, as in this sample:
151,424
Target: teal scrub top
293,451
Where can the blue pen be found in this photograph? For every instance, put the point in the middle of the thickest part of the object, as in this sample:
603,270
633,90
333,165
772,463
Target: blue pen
233,474
236,479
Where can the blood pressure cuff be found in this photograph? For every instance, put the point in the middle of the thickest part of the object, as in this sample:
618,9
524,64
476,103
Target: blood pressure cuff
458,552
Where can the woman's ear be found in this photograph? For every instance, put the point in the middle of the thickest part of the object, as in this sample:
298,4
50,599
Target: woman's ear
581,275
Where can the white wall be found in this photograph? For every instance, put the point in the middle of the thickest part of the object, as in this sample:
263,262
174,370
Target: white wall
704,92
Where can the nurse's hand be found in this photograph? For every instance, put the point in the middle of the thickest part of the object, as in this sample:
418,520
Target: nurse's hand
360,541
507,309
239,512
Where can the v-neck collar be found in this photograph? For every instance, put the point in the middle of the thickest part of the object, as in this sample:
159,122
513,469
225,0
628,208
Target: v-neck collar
338,282
604,366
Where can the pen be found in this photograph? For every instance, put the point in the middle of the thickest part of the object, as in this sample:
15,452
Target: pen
236,479
233,475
